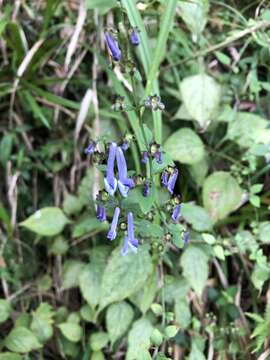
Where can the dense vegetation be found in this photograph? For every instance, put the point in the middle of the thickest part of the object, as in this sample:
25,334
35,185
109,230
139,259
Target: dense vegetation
193,99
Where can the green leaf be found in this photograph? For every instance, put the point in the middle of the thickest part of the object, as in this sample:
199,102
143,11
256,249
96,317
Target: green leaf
22,340
201,96
209,239
248,129
219,252
5,310
48,221
144,297
175,288
148,229
182,313
102,5
260,274
118,319
221,195
194,15
185,146
10,356
71,331
264,232
199,170
87,313
59,246
171,331
97,355
194,262
71,272
139,338
88,225
42,322
90,283
124,275
156,337
136,200
99,340
72,204
197,216
255,200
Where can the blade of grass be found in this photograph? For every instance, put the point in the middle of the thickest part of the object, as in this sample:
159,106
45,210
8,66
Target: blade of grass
160,49
145,54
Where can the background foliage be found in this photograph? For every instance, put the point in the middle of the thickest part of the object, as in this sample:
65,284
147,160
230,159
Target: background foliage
66,293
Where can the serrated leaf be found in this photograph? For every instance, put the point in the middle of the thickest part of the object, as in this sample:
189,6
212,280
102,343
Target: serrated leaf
197,216
71,331
5,310
201,96
124,275
48,221
139,338
22,340
221,195
118,319
194,262
185,146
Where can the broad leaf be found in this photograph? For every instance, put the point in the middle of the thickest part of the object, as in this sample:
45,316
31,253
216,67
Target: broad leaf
48,221
197,216
194,262
124,275
5,310
247,129
139,338
201,96
221,195
42,322
22,340
71,272
185,146
118,319
71,331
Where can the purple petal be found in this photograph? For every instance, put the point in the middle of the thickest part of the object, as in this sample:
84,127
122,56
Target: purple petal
172,181
134,38
164,178
110,181
101,213
112,232
176,212
113,46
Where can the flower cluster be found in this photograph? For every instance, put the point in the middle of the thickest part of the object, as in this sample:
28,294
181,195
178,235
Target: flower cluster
118,183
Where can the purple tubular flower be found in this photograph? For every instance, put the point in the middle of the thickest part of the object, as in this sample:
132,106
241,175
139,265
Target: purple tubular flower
134,38
113,46
110,181
186,237
101,213
164,178
125,183
112,232
146,189
144,157
172,181
176,213
158,156
130,240
91,148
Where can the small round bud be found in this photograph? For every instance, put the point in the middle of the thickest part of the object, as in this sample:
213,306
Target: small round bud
123,226
168,237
